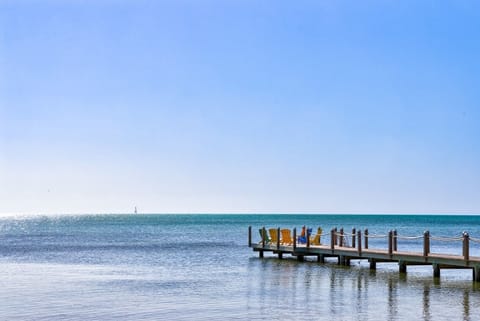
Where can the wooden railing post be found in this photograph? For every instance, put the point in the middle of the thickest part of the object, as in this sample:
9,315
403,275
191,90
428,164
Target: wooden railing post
354,232
366,239
466,246
263,236
278,238
332,239
341,237
307,236
395,240
250,236
359,241
390,242
294,238
426,243
336,241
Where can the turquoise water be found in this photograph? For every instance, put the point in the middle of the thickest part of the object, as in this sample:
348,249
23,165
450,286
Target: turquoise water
198,267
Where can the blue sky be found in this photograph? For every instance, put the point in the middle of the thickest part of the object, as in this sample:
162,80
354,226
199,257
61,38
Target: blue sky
239,106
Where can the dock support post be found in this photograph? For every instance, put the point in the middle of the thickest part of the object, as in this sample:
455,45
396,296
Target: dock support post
466,246
373,264
359,241
395,243
366,239
354,232
341,237
390,243
300,258
250,236
260,254
294,239
402,267
332,239
476,273
426,244
280,255
341,260
436,270
278,238
321,258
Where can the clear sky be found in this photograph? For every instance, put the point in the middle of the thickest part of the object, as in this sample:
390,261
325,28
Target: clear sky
239,106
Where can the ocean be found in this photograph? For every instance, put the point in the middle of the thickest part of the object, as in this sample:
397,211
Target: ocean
199,267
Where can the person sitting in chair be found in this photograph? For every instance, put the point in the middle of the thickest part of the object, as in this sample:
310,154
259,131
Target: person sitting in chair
302,239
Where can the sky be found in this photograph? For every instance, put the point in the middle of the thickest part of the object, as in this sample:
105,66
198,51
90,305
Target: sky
198,106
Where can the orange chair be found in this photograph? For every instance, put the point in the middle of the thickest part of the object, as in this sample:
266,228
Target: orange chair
273,235
286,236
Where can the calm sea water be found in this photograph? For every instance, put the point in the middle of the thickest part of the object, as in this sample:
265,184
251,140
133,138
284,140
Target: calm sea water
198,267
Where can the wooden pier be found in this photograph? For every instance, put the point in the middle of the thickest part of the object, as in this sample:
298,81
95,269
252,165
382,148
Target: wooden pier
358,249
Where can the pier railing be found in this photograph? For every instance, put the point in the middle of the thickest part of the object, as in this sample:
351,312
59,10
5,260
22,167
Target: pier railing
339,238
357,245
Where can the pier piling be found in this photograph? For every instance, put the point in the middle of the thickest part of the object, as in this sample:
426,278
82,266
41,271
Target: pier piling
476,273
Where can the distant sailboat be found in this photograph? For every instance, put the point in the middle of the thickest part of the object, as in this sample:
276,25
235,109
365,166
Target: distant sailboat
135,210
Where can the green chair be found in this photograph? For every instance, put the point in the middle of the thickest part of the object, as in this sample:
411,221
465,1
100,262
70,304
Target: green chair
264,235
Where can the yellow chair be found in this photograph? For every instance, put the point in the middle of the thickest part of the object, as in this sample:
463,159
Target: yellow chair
287,236
273,235
315,240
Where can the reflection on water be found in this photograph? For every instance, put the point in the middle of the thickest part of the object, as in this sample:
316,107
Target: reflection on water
426,302
312,290
466,305
199,268
392,299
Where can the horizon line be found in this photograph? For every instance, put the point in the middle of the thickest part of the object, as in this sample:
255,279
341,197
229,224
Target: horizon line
231,213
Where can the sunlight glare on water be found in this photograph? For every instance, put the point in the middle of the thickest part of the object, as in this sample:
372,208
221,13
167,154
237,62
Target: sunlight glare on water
191,267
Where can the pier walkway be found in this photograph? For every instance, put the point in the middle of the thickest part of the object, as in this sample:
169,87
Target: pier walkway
340,247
